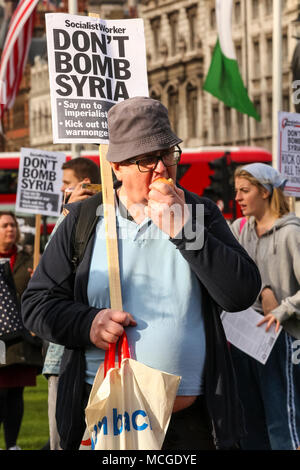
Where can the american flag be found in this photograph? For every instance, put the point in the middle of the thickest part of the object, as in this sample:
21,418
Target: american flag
15,52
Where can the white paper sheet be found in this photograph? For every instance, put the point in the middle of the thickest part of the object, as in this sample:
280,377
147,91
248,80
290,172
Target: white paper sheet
2,353
242,331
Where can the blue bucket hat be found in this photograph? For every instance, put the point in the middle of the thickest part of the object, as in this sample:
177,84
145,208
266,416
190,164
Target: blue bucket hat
267,176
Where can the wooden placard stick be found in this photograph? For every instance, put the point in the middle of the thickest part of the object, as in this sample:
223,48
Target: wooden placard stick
37,238
110,225
110,230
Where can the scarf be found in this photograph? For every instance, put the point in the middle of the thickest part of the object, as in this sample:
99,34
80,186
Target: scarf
12,255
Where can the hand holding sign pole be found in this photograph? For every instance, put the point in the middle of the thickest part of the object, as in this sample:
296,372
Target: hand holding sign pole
93,64
110,228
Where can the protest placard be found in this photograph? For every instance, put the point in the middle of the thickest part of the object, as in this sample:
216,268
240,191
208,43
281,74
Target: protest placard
39,182
288,162
93,64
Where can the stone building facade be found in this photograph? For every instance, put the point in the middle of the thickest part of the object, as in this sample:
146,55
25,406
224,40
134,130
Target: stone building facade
180,39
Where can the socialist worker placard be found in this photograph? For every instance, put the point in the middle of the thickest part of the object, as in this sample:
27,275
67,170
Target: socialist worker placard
93,64
39,182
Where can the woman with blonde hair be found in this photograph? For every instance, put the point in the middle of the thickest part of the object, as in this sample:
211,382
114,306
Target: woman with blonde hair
270,393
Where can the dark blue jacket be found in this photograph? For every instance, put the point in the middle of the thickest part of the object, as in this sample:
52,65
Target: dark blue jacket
55,307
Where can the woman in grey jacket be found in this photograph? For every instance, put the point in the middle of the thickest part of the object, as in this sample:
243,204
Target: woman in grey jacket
271,235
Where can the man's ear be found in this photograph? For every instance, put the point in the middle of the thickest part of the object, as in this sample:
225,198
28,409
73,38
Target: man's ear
116,169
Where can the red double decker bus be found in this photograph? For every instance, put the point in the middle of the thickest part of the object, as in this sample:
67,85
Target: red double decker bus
193,171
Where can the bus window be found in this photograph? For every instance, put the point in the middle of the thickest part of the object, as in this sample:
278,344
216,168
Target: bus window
8,181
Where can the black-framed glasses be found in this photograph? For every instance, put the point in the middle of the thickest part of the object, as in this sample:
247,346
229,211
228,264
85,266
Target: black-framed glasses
149,163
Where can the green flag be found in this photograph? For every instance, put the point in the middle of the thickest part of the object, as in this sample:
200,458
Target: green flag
224,80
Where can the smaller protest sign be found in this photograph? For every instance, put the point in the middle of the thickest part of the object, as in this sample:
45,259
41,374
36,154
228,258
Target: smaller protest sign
39,182
288,163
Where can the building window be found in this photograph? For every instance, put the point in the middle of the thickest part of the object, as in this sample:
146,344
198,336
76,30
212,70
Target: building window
228,126
284,49
173,20
19,115
216,123
192,110
269,113
256,58
192,19
268,7
269,47
255,7
34,123
286,102
237,12
257,105
212,18
240,124
47,120
239,56
155,96
173,107
155,27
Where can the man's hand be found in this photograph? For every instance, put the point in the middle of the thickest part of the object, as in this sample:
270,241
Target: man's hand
108,325
79,193
167,207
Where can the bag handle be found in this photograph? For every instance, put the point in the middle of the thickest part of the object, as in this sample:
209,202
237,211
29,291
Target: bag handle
110,354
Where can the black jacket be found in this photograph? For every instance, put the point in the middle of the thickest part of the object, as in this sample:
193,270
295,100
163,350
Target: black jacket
55,307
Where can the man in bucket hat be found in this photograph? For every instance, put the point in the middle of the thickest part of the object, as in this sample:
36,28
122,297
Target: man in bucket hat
179,267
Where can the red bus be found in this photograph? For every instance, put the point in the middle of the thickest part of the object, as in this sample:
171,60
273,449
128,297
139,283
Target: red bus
193,170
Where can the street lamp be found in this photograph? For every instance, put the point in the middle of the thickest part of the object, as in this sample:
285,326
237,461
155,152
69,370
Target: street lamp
296,56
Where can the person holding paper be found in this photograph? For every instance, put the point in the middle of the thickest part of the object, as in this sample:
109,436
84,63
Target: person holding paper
271,235
180,266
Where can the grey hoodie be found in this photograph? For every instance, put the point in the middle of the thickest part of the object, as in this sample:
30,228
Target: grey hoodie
277,255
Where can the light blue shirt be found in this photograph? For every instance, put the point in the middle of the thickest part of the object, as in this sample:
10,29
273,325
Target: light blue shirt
163,295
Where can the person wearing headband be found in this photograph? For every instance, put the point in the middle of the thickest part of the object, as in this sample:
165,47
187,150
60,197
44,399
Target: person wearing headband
270,234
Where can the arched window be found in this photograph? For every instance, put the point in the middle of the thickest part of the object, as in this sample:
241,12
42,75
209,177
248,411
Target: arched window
173,107
192,109
155,94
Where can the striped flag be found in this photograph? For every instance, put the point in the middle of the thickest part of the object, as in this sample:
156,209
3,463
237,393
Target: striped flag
15,52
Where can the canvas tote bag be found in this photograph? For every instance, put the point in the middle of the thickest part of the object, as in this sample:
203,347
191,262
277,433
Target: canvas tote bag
130,404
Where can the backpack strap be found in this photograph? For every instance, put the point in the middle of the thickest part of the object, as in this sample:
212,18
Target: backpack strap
85,226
